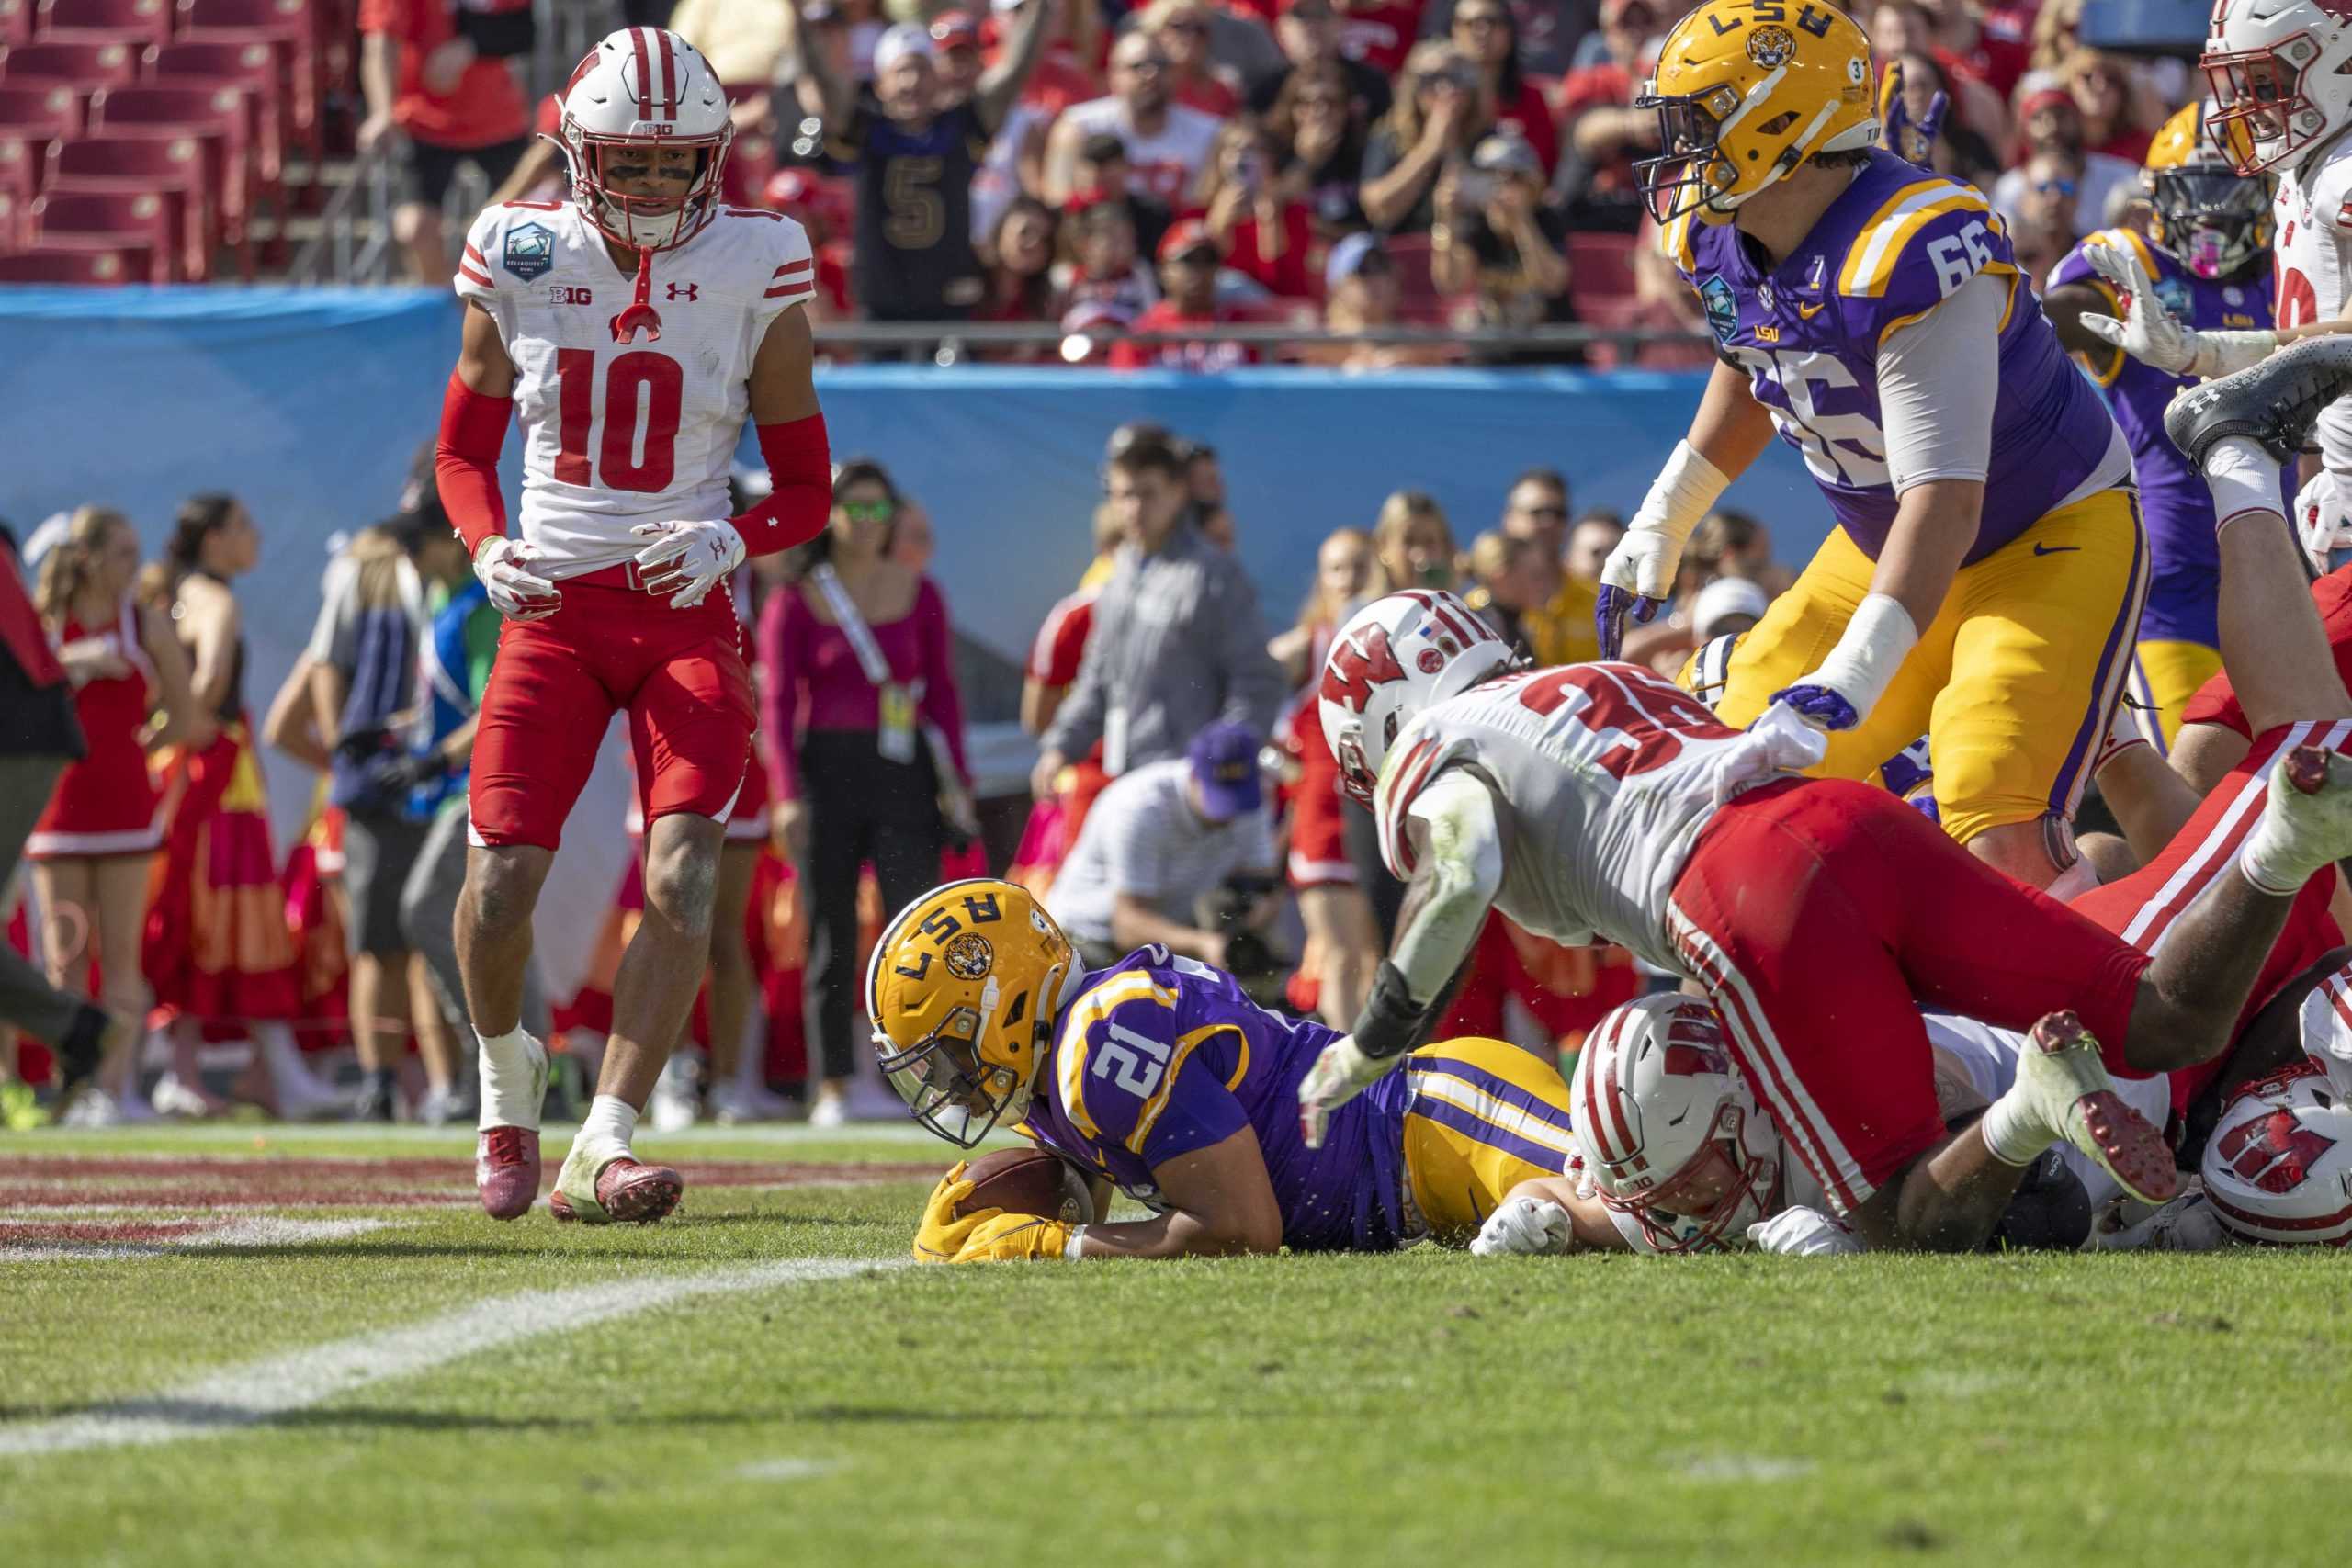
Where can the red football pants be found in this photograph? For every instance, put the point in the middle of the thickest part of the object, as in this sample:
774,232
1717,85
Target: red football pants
680,675
1822,915
2142,907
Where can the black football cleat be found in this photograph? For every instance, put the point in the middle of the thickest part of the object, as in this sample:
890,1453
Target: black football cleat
2274,404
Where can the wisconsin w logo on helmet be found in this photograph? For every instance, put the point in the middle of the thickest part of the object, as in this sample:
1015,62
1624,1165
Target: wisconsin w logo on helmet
2274,1152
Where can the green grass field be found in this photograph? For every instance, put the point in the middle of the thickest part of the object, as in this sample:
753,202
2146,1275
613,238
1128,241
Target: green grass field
760,1380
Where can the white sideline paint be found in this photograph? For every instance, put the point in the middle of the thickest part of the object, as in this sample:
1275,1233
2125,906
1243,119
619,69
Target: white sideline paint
260,1391
256,1231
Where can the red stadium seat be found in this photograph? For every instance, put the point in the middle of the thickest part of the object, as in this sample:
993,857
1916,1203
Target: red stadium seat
291,28
39,111
67,265
16,21
172,167
21,163
88,66
222,115
1420,301
1600,266
109,219
133,21
250,66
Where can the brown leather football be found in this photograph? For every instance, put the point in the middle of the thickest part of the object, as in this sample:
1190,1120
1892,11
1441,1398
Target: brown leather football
1026,1181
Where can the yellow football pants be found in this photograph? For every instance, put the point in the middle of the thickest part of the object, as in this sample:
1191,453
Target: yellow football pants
1484,1117
2164,675
2015,680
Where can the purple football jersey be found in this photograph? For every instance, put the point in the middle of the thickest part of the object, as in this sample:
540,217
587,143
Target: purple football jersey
1896,244
1158,1056
2186,579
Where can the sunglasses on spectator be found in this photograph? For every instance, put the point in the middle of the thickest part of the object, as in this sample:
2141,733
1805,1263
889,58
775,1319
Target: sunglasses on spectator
869,511
2053,187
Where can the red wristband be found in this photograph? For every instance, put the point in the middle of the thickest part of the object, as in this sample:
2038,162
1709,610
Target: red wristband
800,467
465,461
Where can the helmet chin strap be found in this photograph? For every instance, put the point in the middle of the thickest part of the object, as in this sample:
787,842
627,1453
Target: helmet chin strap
640,314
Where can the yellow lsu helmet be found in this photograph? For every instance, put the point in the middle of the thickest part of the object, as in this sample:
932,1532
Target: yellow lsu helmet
2214,218
1746,90
962,992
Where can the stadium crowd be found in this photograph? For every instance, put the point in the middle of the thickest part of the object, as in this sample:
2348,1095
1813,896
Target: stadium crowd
1356,163
158,889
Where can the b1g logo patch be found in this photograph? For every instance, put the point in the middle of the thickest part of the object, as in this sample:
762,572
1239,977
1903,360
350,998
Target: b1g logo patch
1723,310
530,250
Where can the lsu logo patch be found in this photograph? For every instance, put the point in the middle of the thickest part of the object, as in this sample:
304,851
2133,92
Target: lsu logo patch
969,956
530,250
1723,310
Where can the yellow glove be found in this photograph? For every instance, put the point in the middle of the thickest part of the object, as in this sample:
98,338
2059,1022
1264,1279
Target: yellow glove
941,1235
1013,1239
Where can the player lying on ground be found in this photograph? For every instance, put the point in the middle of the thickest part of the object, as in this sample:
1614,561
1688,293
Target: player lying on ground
1820,915
608,595
1160,1076
1675,1156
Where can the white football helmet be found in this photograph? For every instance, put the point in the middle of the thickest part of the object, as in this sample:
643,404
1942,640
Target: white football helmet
644,88
1395,657
2277,70
2278,1168
1667,1130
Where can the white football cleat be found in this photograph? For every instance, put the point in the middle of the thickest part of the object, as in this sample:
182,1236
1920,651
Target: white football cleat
2306,821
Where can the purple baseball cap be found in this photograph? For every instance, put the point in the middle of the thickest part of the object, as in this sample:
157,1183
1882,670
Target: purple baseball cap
1225,765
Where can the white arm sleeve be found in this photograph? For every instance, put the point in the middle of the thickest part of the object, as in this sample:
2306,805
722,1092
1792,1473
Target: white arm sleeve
1461,857
1937,380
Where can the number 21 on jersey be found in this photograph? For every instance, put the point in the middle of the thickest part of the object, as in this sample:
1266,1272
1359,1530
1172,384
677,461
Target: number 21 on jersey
640,396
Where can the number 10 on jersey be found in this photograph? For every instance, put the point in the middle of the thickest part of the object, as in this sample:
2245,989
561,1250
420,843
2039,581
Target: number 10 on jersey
643,392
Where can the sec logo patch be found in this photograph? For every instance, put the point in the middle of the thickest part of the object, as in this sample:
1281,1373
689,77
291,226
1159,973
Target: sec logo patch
530,250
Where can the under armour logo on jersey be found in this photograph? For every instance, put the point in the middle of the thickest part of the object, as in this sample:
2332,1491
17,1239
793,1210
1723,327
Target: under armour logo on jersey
686,292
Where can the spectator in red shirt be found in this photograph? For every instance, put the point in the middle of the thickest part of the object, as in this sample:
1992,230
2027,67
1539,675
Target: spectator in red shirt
1188,265
2120,115
435,100
803,195
1104,286
1255,213
1069,74
1019,260
956,55
1180,28
1605,132
1487,32
1900,27
1379,32
1103,173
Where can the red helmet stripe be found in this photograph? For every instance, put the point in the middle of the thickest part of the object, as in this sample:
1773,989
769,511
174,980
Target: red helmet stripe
637,37
669,74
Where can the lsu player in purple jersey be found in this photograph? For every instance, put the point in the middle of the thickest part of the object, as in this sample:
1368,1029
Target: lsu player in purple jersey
2206,261
1158,1076
1988,565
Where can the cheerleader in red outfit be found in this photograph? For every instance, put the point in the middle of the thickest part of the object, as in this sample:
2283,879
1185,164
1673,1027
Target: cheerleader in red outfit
92,847
218,952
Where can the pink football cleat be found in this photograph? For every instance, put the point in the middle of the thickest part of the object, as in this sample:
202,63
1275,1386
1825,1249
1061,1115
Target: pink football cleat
628,1192
507,1171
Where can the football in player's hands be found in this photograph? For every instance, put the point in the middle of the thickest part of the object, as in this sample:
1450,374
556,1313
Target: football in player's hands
1027,1181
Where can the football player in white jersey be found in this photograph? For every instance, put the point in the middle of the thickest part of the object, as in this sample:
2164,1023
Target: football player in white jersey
1674,1155
615,593
1820,915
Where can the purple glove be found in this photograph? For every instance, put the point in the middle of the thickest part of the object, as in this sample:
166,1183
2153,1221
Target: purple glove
1609,614
1824,705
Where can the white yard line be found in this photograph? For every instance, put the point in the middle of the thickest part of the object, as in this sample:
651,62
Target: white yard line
261,1391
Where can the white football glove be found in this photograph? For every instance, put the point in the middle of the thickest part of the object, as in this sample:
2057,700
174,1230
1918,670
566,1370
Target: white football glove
2322,517
503,567
1525,1227
686,561
2188,1223
1803,1233
2149,333
1339,1075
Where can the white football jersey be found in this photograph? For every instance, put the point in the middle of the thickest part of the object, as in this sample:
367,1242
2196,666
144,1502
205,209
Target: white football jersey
614,435
2314,213
1609,771
1164,164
